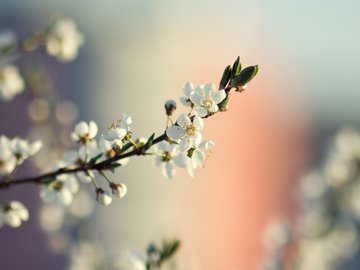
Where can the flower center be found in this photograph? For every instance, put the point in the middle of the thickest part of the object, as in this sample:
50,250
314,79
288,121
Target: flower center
207,103
85,139
166,156
57,185
2,164
190,130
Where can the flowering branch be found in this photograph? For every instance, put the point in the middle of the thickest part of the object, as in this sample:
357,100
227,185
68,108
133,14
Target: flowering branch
102,166
181,145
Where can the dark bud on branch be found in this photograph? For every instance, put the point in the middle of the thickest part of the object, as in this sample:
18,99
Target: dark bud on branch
170,107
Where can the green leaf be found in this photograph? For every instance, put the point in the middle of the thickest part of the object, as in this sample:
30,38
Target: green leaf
111,167
245,76
168,249
224,103
236,68
94,159
225,77
147,145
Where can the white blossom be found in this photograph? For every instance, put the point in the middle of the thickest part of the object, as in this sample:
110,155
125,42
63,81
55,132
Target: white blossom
80,157
188,88
206,99
118,190
63,40
198,156
14,213
84,132
7,158
11,83
62,189
103,197
22,149
187,131
109,151
118,131
278,234
167,156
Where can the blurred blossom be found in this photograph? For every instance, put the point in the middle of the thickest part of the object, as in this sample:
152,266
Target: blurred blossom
13,214
63,40
51,217
313,186
328,225
59,242
82,205
86,256
66,112
278,234
11,82
39,109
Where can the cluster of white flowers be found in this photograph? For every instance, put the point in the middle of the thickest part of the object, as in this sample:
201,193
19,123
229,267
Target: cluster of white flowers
203,98
13,214
65,186
63,40
328,234
11,82
186,148
14,151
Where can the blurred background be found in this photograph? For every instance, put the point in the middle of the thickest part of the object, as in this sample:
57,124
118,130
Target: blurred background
138,54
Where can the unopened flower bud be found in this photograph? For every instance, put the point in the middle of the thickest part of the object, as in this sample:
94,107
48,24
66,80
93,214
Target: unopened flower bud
103,197
118,190
224,108
170,107
241,88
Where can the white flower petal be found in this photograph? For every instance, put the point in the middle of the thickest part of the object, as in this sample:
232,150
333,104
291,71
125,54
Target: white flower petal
82,129
72,183
197,137
12,219
65,196
198,123
214,108
20,209
175,132
74,137
183,120
83,177
104,145
185,101
188,87
181,160
164,146
168,170
196,98
47,195
185,144
93,129
200,111
158,160
208,89
206,144
219,96
191,172
103,197
35,147
198,158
